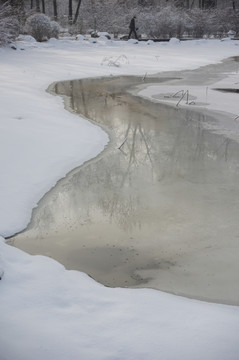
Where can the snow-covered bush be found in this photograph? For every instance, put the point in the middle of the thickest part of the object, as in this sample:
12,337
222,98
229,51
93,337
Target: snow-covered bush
232,22
174,41
80,37
9,25
199,20
224,20
41,27
27,38
166,23
219,23
104,33
55,29
156,19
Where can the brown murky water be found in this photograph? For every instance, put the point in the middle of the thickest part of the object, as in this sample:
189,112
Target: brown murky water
161,211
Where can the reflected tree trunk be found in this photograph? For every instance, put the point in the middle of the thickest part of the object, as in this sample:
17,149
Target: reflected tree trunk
146,143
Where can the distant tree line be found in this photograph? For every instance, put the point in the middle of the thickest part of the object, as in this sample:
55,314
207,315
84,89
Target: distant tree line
155,18
57,5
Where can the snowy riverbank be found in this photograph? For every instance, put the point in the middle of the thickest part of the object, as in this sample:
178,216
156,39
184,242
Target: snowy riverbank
46,311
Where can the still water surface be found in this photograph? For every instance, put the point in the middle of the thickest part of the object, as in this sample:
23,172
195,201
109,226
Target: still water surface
161,211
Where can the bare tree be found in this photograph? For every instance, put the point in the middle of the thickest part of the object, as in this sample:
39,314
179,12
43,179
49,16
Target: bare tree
77,11
70,12
43,6
55,9
38,6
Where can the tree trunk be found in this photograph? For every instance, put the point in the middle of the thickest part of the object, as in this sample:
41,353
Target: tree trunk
70,12
192,4
38,6
55,9
43,6
77,11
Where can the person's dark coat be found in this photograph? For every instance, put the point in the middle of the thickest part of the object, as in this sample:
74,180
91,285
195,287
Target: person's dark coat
132,24
132,28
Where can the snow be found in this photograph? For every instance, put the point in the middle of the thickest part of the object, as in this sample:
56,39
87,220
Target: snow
47,312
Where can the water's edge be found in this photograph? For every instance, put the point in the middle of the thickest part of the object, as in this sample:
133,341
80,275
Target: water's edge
143,276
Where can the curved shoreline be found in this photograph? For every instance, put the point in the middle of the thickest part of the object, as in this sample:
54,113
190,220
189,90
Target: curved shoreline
144,274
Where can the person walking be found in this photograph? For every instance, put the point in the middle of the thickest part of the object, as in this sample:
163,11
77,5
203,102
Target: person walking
132,28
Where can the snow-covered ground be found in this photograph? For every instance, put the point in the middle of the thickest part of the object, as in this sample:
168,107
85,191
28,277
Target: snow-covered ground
47,312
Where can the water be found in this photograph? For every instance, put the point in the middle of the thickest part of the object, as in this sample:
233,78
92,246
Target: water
160,212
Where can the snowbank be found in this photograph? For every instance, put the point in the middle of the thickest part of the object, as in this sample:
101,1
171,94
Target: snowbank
47,312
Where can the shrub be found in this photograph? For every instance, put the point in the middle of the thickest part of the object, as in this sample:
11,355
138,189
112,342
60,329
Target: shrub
200,22
55,29
168,22
41,27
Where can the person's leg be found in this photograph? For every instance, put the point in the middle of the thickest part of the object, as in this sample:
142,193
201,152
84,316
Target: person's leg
135,34
130,33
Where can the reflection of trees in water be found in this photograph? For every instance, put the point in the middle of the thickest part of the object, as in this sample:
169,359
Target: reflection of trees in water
162,145
168,192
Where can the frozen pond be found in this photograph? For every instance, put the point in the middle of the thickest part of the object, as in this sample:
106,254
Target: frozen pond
160,212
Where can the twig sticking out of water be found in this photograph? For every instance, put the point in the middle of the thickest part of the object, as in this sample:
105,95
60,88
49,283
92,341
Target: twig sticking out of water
122,143
143,79
174,95
178,92
186,93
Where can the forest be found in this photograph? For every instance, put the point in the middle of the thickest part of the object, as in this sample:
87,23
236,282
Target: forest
159,19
